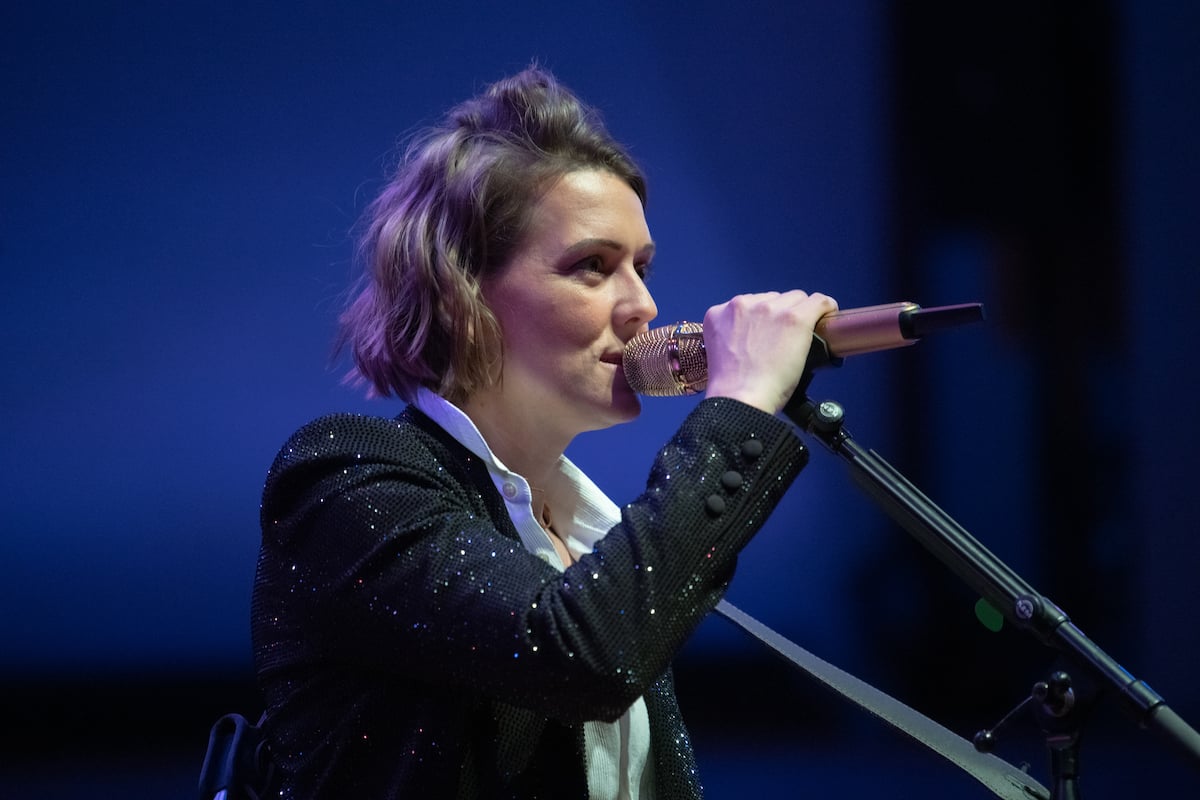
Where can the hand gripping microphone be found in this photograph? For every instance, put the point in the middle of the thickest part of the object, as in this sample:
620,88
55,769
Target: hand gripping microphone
670,361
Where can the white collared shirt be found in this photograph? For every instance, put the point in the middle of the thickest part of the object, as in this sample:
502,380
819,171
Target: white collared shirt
619,766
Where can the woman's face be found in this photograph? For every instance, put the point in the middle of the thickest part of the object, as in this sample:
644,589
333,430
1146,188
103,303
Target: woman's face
571,297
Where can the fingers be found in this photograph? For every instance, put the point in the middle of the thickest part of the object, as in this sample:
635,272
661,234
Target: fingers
757,345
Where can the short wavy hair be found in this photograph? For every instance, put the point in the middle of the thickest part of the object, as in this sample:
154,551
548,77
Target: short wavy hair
451,216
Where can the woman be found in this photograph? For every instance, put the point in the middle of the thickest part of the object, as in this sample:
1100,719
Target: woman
445,606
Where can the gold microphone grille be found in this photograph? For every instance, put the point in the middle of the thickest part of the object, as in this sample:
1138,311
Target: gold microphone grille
668,361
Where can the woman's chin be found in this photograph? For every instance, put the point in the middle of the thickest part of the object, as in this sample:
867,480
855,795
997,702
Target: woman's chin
626,406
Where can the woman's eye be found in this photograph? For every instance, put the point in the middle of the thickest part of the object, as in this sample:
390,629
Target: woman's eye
591,264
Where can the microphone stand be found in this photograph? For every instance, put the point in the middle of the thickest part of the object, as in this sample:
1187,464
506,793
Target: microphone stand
995,582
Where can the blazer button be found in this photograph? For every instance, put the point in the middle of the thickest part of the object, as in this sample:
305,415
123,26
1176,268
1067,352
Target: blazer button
731,480
714,505
752,449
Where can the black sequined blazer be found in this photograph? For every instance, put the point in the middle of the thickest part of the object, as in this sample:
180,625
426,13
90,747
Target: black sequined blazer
408,646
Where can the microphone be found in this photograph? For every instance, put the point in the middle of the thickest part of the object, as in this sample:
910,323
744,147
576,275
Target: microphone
670,361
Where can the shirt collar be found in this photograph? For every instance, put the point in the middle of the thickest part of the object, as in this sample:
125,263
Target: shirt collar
583,514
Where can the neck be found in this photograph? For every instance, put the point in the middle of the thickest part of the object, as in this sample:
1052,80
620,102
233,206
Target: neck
524,443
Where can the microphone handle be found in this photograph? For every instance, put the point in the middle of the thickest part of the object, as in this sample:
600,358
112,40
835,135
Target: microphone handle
865,330
884,327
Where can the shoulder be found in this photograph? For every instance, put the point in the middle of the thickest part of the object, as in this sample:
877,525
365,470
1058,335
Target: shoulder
362,437
335,434
335,446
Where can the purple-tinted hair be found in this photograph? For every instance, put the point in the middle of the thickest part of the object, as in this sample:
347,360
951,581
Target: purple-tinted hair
453,213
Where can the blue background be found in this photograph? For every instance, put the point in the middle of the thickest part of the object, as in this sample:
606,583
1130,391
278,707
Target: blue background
176,186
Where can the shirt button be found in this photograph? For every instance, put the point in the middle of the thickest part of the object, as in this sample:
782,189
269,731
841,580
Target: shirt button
509,489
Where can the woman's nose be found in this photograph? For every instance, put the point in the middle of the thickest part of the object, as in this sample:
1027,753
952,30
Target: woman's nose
637,305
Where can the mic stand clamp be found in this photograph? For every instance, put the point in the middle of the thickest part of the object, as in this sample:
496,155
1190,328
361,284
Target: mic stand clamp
1058,710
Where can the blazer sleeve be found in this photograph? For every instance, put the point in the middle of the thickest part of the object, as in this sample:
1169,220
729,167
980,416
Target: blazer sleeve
407,566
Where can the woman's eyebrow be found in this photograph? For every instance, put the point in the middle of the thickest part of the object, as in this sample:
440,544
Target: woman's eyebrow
590,243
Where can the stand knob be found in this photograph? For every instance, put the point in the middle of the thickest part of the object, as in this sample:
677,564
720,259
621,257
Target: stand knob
827,416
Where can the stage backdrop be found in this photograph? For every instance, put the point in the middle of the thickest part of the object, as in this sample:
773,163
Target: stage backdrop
177,183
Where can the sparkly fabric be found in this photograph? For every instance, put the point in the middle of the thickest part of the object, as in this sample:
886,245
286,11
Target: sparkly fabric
409,646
